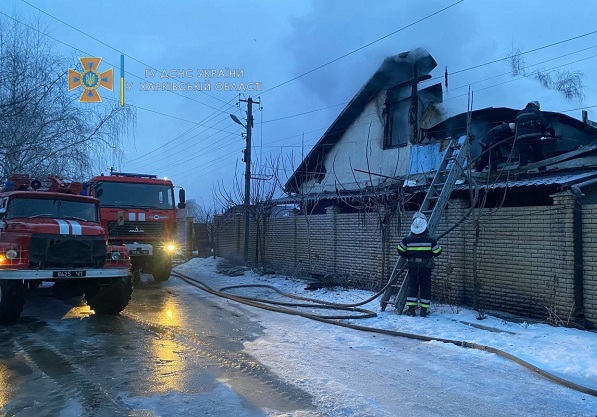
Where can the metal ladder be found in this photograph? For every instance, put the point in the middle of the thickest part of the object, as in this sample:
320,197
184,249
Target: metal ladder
449,171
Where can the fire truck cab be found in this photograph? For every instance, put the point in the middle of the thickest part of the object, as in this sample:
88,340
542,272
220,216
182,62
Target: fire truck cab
139,212
49,232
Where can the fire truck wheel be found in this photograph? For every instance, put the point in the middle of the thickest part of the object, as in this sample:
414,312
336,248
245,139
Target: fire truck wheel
12,298
161,270
110,299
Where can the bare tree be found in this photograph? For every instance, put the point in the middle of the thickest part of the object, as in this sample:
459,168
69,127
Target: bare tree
210,218
264,185
515,60
476,221
569,83
43,128
379,194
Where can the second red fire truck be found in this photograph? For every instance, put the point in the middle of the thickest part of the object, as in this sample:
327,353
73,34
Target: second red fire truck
139,212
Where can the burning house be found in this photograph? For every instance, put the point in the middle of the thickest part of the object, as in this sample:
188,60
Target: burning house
523,245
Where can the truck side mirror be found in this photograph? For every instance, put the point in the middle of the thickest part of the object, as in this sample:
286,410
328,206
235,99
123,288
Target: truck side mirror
181,199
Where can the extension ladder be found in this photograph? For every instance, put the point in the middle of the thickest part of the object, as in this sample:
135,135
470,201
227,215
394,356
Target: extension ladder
449,171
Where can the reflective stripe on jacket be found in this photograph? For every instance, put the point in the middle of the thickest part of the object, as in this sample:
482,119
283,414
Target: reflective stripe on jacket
420,246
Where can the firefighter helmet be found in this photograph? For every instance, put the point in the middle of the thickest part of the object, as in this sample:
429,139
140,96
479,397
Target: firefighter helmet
536,104
418,225
419,215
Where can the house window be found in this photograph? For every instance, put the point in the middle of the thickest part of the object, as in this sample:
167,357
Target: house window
397,129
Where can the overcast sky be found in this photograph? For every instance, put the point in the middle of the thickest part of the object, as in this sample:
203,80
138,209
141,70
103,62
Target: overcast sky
189,136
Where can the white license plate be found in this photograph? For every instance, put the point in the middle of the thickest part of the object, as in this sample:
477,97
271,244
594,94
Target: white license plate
68,274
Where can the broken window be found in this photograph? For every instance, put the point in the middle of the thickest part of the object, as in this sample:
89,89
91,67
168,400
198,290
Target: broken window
397,128
404,108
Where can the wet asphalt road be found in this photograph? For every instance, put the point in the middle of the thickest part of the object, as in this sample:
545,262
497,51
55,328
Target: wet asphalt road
170,353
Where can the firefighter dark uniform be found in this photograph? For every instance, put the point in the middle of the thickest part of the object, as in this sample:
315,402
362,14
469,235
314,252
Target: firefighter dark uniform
419,248
531,125
494,136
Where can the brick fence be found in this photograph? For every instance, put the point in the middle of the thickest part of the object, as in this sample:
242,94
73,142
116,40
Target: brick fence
525,255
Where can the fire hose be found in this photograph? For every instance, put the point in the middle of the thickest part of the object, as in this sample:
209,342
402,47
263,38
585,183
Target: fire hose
284,307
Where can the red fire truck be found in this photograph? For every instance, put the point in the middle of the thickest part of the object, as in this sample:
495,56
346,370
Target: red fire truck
138,211
48,232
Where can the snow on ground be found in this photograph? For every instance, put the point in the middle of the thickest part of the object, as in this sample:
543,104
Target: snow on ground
567,353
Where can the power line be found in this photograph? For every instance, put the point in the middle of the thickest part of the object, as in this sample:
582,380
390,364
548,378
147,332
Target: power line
284,139
496,85
106,61
578,108
285,117
136,160
137,60
207,119
462,86
104,43
521,53
173,117
180,118
524,76
207,164
200,152
529,66
345,143
303,113
363,47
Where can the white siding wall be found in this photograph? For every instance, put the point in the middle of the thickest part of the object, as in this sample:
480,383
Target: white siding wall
361,147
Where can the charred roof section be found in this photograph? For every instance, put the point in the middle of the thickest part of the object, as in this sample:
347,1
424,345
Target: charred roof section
394,71
485,119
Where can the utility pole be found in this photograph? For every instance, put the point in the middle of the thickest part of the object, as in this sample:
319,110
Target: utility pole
247,160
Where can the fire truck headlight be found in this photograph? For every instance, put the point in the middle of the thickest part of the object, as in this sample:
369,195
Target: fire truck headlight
11,254
170,247
115,256
2,259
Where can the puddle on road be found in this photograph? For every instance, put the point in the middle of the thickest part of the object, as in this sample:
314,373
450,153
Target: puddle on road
168,354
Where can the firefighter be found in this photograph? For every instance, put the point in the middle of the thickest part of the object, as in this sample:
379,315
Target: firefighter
493,137
418,247
531,126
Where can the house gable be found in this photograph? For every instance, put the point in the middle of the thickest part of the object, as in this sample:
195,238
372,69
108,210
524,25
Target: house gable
405,71
359,151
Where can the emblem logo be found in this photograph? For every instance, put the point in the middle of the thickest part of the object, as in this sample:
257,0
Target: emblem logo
136,230
90,79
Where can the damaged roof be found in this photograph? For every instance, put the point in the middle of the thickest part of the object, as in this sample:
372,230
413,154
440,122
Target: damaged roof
394,71
491,116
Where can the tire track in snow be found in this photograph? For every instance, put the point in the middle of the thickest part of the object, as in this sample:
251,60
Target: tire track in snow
72,381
